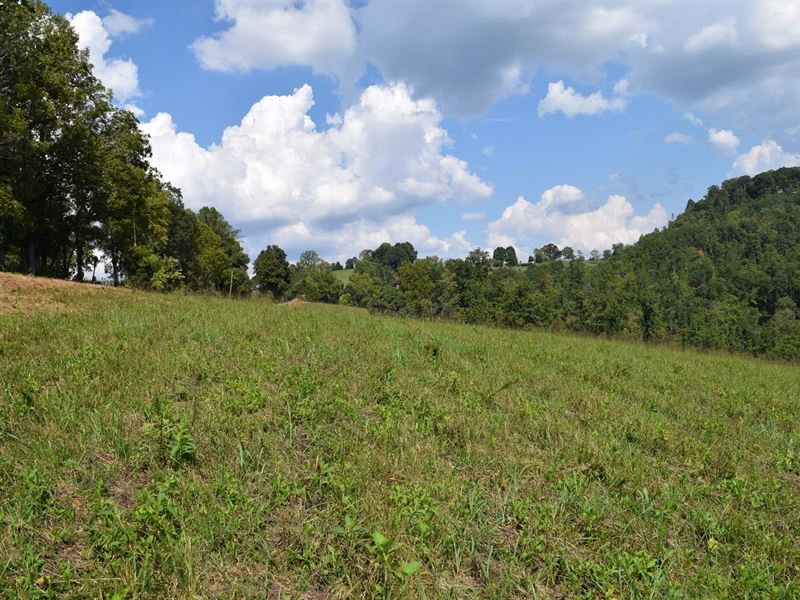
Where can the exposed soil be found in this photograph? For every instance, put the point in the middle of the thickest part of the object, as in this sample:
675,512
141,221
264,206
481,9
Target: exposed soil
26,294
295,302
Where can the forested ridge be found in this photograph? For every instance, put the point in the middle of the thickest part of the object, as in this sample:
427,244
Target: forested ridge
77,188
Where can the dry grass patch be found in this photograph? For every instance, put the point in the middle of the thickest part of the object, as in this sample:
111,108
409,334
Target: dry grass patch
24,294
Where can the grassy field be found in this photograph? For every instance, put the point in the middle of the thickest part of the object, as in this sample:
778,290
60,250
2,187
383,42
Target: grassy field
189,446
343,275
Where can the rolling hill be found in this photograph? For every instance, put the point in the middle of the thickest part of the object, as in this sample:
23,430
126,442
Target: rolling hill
191,446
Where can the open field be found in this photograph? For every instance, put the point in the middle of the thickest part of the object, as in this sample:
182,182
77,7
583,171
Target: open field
191,446
344,275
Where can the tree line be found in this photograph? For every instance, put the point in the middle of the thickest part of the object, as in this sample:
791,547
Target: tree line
724,274
76,183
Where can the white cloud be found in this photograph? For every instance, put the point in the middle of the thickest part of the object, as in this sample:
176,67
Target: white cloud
640,39
723,140
621,87
117,23
121,75
560,195
351,238
488,151
276,174
516,39
473,216
318,33
777,24
766,156
717,34
694,120
138,112
744,65
570,102
678,138
525,224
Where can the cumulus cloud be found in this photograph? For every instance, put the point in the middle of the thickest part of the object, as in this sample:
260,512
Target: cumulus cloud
733,68
776,23
138,112
121,75
352,237
275,174
745,64
318,33
473,216
516,38
118,23
561,98
678,138
526,224
640,39
766,156
723,140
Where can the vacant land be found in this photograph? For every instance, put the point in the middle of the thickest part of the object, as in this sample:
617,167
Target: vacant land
185,446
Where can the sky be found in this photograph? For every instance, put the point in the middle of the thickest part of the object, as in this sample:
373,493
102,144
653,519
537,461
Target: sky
336,126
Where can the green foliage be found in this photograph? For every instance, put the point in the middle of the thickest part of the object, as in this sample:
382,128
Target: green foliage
272,275
228,236
394,255
75,178
316,282
183,448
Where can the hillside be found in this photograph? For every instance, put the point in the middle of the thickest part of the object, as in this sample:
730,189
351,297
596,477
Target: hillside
726,272
189,446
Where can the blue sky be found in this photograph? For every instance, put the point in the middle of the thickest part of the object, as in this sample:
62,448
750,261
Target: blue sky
336,126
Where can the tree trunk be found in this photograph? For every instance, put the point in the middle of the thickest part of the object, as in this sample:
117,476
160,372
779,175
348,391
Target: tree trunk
29,257
115,269
79,260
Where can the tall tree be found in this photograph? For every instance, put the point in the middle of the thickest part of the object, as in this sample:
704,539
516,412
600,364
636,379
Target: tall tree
272,273
499,256
229,235
511,257
51,111
234,277
551,252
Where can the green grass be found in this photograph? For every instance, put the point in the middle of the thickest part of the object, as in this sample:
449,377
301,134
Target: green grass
343,275
185,446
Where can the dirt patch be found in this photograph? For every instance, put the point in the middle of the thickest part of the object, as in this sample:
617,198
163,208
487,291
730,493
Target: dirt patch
123,488
25,294
295,302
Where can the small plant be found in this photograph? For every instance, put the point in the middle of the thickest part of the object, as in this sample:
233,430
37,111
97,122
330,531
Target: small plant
416,508
38,492
183,449
384,549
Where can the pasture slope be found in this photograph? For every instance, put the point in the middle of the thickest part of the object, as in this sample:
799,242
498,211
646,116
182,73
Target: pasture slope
190,446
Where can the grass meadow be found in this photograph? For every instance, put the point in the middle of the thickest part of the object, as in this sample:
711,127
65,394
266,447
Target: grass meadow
189,446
